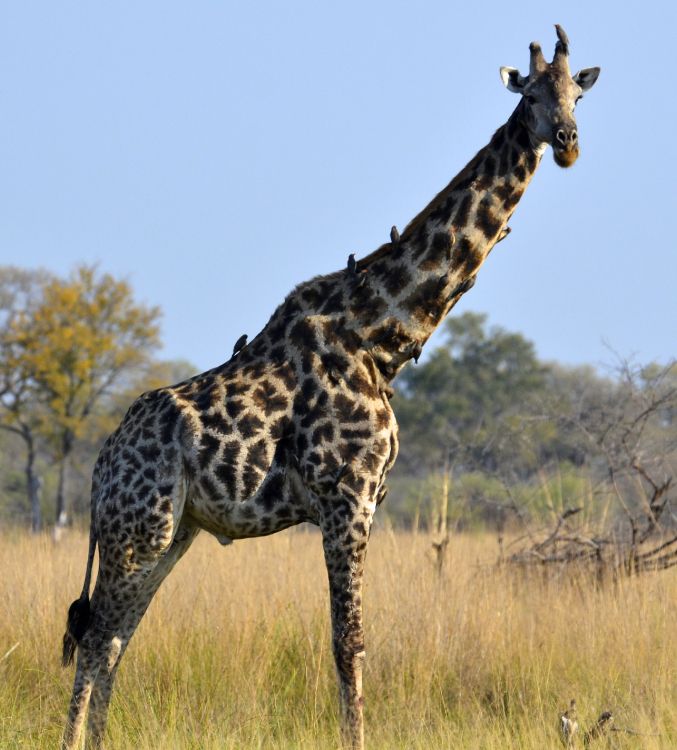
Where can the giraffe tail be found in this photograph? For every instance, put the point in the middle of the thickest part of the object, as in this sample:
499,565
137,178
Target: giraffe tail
78,620
79,613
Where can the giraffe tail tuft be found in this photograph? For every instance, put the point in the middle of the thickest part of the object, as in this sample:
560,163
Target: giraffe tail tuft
78,621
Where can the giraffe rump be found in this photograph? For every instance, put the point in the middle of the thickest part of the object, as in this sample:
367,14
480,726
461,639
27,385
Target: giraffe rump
78,621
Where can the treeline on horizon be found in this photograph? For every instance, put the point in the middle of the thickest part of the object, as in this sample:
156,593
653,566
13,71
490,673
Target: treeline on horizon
490,435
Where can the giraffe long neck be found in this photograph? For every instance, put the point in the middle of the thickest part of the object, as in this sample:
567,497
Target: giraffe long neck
384,308
420,278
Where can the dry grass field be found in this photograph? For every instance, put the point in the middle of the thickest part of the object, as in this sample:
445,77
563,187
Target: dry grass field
234,652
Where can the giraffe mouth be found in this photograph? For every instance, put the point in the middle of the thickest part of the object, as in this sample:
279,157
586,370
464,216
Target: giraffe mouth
565,157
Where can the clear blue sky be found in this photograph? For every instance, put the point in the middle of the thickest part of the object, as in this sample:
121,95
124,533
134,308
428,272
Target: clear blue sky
218,153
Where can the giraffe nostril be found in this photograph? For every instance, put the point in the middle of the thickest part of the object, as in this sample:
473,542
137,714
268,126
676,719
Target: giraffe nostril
566,138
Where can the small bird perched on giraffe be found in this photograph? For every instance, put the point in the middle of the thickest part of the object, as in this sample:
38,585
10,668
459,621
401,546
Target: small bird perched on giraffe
240,344
297,425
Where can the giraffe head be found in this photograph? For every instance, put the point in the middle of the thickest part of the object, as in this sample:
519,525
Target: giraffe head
549,96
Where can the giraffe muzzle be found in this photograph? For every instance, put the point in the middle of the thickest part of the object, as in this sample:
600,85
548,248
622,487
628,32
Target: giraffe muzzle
565,146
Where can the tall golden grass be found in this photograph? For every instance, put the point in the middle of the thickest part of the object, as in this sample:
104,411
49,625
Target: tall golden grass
235,652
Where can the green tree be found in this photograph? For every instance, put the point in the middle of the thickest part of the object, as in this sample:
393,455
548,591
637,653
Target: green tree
83,338
453,402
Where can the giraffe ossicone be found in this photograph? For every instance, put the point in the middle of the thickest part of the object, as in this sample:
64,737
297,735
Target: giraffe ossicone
297,425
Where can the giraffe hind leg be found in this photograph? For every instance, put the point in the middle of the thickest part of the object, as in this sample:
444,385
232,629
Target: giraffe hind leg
117,639
82,688
120,598
113,590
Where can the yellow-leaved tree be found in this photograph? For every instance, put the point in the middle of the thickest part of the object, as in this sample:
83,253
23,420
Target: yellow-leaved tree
83,338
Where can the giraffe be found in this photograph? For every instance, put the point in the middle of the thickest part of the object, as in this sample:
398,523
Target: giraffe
297,425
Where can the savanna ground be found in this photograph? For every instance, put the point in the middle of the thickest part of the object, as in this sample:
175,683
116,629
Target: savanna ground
235,651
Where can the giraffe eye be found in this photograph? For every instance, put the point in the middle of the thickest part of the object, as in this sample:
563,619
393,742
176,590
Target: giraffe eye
530,99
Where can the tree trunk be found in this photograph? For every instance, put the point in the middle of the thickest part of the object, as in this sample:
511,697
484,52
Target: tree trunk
33,484
61,510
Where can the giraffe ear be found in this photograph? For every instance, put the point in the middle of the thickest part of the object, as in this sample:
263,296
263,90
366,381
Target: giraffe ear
512,80
586,78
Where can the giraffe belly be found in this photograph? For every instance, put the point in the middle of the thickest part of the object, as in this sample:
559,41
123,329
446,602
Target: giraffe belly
279,501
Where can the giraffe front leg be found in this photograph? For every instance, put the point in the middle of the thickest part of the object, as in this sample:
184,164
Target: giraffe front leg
345,547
